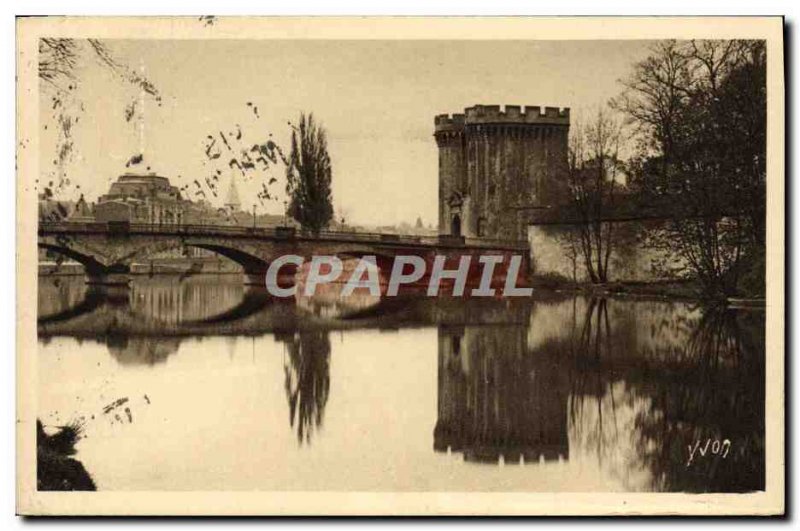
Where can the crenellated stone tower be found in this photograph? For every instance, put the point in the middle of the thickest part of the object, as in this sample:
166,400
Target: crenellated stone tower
495,165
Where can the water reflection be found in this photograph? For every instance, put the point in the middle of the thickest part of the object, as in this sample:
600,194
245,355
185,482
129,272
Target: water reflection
715,393
307,381
496,401
134,350
582,393
630,388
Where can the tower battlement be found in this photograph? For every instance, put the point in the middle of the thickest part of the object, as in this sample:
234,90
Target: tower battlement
510,114
494,161
444,122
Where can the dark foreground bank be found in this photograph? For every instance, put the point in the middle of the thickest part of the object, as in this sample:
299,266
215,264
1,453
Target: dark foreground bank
55,470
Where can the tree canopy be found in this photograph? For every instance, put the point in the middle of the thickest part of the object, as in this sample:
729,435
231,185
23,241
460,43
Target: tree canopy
308,175
699,113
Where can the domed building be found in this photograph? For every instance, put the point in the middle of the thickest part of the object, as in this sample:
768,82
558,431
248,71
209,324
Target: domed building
141,198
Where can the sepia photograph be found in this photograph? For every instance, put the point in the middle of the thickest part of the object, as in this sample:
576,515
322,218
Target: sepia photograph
400,266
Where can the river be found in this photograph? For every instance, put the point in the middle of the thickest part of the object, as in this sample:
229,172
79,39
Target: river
201,383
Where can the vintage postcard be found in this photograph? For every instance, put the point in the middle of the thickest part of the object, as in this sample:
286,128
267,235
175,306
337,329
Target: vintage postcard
400,266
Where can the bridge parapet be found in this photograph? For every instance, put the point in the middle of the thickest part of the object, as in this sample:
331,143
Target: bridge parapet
275,233
106,249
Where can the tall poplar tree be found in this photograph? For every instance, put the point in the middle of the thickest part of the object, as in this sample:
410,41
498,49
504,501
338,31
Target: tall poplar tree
308,176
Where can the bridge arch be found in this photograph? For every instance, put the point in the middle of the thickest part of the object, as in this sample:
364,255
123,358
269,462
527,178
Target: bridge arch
253,302
89,263
250,262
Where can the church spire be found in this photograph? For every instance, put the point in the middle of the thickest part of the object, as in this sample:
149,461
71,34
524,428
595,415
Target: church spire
232,201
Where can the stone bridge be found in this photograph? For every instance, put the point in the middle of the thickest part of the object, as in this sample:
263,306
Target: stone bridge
107,250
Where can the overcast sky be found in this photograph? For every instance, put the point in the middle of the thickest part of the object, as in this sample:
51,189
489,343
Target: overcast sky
377,100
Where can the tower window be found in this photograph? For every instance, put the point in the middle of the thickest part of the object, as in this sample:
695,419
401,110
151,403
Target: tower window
455,228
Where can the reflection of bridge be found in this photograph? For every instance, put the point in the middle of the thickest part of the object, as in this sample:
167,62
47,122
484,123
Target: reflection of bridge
107,250
105,311
526,380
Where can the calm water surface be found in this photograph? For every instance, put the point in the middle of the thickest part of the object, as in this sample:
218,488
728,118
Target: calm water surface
203,384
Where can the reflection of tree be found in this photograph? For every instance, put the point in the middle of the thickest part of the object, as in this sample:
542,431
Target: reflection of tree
591,346
716,393
595,331
307,382
595,412
639,400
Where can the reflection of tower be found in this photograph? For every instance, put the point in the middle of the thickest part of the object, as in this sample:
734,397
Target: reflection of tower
495,399
452,391
232,201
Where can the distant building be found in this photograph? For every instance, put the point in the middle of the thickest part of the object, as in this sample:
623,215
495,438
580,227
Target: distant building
51,209
82,211
233,202
152,199
141,198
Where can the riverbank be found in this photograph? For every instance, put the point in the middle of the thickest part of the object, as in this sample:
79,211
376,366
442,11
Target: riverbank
160,267
678,290
55,469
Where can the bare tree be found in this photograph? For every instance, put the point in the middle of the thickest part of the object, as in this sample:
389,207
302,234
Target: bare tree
699,109
594,180
61,71
570,241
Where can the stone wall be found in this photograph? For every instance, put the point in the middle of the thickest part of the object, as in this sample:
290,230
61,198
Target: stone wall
114,211
630,260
